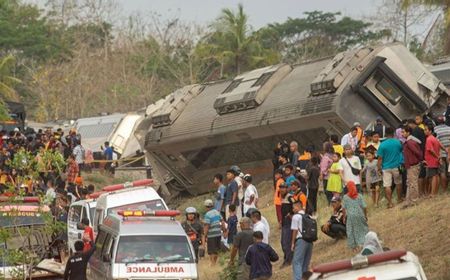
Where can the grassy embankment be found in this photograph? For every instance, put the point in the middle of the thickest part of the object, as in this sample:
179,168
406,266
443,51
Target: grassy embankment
424,230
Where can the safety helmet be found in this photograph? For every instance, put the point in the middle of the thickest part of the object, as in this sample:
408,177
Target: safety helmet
191,210
235,169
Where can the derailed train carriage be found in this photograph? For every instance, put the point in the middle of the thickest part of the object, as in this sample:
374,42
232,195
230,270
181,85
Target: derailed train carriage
200,130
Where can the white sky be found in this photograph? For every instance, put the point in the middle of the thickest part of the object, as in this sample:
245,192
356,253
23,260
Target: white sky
261,12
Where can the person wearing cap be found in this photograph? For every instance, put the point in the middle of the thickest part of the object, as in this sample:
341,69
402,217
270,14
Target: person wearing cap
390,159
351,138
250,194
351,167
194,229
231,193
298,193
212,230
241,242
335,227
443,135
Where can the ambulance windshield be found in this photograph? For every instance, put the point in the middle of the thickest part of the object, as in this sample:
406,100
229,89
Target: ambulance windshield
153,249
156,204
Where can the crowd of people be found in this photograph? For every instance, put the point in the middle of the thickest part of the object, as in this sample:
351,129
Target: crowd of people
408,163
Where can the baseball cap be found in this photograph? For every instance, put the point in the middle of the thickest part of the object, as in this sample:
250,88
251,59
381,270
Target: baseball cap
248,178
208,203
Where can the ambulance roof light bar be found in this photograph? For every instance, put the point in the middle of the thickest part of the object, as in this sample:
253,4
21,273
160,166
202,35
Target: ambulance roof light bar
126,185
359,262
23,199
148,213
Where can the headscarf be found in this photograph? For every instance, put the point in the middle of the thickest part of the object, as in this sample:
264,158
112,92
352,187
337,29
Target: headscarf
372,243
352,192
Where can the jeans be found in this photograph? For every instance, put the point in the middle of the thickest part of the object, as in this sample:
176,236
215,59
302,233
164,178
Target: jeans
302,257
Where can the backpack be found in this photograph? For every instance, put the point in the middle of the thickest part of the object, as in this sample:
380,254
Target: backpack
309,228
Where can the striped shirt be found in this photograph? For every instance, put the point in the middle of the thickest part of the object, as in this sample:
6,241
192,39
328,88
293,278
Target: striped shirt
443,135
213,219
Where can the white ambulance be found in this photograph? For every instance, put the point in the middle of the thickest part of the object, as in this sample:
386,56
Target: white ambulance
139,198
389,265
138,244
78,211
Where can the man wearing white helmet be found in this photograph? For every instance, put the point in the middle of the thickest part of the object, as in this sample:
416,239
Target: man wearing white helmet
193,229
250,195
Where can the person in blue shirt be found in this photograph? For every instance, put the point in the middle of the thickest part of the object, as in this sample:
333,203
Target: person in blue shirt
219,204
108,153
390,160
289,174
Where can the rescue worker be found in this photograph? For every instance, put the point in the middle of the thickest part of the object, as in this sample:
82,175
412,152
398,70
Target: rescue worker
193,229
76,264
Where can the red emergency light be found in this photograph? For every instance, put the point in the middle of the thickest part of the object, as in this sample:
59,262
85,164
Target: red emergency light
111,188
148,213
352,264
24,199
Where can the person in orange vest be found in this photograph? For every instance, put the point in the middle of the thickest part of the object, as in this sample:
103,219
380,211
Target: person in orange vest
277,195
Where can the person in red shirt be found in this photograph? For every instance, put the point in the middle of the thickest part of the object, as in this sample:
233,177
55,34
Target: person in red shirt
88,234
432,152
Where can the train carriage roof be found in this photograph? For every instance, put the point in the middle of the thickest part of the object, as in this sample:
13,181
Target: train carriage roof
200,119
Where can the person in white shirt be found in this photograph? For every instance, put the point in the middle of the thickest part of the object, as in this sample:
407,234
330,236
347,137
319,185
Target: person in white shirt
259,225
50,194
301,248
250,194
347,162
351,138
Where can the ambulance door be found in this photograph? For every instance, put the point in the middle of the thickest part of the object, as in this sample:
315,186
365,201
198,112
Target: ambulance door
74,218
107,256
95,262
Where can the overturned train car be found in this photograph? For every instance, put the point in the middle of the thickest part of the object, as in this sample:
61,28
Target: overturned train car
201,130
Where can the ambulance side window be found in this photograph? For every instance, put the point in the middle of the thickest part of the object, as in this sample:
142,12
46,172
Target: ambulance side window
99,243
107,248
98,215
85,214
75,214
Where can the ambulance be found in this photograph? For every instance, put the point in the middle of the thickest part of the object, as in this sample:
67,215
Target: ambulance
87,208
389,265
139,198
141,244
78,211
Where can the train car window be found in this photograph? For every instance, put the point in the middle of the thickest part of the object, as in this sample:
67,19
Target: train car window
389,90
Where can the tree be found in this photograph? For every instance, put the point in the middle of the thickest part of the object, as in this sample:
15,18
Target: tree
445,6
7,84
318,34
25,32
232,46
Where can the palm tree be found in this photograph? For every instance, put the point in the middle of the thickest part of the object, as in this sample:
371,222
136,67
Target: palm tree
7,84
7,80
445,5
233,45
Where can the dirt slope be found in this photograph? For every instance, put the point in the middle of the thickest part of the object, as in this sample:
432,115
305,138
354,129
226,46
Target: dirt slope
424,230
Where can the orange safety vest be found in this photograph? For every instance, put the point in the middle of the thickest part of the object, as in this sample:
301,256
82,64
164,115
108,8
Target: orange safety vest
277,195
